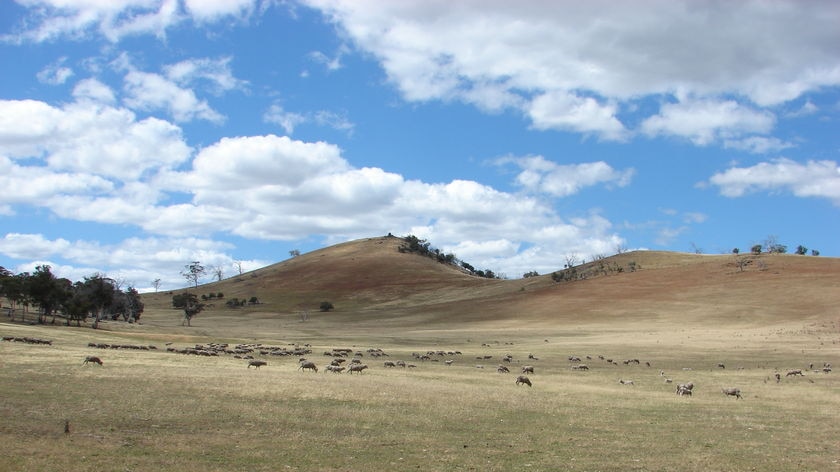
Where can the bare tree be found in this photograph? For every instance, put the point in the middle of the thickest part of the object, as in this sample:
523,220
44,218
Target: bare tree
218,272
156,284
571,260
238,265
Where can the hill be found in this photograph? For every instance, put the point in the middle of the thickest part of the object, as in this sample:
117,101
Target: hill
371,282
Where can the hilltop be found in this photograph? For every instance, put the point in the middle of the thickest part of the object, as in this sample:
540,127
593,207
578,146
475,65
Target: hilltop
371,281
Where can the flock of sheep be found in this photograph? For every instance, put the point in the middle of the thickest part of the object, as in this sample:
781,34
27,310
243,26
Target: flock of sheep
339,360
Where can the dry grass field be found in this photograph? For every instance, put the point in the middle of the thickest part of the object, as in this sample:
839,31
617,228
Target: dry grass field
681,314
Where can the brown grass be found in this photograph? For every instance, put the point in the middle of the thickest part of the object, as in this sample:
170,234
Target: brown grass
154,410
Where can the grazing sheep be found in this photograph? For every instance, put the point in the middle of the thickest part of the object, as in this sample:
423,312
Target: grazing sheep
667,381
528,369
732,392
685,389
626,382
389,364
523,380
721,366
308,365
778,377
794,372
580,367
257,364
502,369
92,359
448,362
357,368
335,369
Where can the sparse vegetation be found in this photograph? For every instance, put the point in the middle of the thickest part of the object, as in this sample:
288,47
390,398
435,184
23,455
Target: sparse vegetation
413,244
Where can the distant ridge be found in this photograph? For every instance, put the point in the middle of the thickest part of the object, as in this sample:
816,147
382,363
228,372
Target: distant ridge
371,279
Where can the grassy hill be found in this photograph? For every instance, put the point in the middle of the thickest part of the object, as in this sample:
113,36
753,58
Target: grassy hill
371,282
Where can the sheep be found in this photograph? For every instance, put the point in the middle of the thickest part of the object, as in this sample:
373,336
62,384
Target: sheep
92,359
308,365
357,368
523,380
528,369
580,367
502,369
721,366
667,381
448,362
732,392
336,369
626,382
685,389
778,377
389,364
257,364
794,372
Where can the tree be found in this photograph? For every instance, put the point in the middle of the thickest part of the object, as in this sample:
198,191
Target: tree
756,249
101,291
45,290
238,265
326,306
736,251
192,307
294,252
218,273
801,250
532,273
193,272
156,284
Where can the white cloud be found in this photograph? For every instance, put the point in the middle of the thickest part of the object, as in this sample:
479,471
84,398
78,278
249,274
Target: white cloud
564,111
136,261
213,10
706,121
820,179
55,73
291,120
551,62
94,90
541,175
146,91
757,144
286,119
215,71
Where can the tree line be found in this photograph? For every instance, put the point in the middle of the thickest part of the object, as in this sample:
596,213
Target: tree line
97,297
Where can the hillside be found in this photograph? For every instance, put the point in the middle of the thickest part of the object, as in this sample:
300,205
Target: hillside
371,281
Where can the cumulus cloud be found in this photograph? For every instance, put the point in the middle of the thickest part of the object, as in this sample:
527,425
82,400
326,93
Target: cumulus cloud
136,261
576,66
540,175
818,179
706,121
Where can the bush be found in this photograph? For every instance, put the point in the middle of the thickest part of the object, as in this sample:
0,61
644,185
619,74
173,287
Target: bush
326,306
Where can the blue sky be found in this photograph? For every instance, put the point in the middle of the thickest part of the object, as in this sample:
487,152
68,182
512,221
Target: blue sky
139,135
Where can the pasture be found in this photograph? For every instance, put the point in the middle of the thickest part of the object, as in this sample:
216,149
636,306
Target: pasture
158,410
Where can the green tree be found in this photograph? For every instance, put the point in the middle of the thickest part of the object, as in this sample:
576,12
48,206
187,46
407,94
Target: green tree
801,250
101,291
756,249
45,290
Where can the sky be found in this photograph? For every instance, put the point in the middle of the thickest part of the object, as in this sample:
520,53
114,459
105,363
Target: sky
137,136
